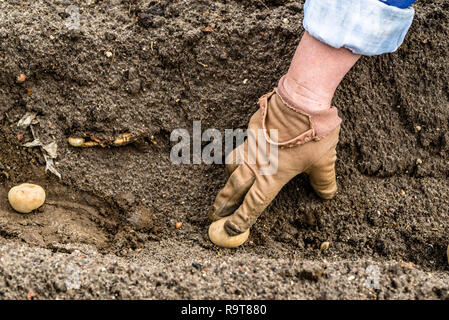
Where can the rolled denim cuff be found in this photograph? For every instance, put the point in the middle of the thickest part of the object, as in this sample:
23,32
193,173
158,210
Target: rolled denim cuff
368,27
399,3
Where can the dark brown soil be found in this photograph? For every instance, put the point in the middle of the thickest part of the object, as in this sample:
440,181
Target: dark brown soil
167,71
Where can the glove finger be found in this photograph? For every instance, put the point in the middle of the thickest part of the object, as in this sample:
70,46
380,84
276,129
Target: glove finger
234,159
233,193
255,202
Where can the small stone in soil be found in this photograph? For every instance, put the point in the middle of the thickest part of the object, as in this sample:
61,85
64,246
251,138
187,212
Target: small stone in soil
197,266
324,246
21,78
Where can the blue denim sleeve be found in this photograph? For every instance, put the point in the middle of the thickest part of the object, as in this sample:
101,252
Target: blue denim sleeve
399,3
368,27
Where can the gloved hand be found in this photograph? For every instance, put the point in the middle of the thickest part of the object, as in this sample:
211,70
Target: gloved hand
302,147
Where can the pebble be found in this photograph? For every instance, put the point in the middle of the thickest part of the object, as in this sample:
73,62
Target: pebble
26,197
108,54
21,78
219,237
197,266
418,161
324,246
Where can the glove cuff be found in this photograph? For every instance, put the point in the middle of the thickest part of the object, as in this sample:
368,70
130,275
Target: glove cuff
322,122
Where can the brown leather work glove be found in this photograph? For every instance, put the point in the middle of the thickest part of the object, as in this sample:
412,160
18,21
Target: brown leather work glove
251,186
